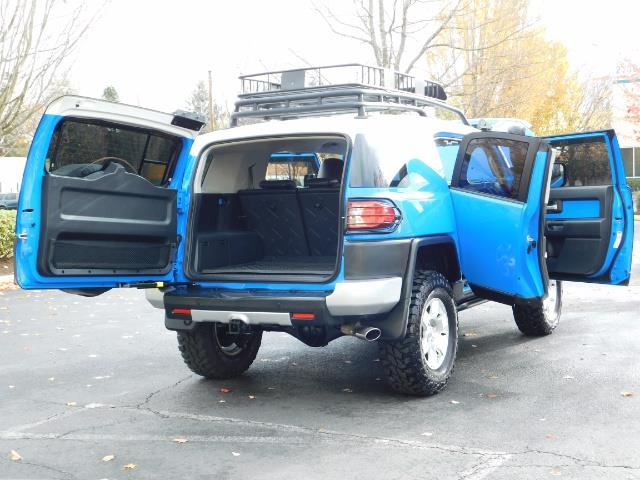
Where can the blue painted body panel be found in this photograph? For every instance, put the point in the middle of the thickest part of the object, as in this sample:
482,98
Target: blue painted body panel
577,208
493,238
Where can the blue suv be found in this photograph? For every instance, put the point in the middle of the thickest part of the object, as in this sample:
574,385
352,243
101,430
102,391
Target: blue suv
367,208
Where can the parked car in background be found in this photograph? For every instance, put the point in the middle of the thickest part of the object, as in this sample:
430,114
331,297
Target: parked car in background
8,201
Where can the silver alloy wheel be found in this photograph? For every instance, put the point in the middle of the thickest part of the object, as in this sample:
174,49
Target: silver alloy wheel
434,333
550,302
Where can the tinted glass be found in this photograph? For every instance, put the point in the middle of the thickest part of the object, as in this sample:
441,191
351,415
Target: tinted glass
393,161
448,151
77,146
494,166
587,161
290,168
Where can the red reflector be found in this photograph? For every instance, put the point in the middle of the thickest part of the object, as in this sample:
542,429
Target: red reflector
181,311
303,316
371,215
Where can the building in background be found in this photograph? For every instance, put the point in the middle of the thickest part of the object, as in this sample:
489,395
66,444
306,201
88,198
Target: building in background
628,133
11,169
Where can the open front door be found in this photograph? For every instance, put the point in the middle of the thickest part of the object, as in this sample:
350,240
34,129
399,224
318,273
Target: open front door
98,204
589,222
499,190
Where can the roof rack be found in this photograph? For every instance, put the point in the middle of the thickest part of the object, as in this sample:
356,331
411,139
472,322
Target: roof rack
338,89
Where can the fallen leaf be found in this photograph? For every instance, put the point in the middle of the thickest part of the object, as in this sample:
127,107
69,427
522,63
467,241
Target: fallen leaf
180,440
235,454
625,393
556,473
15,456
130,466
492,395
72,404
455,402
225,390
108,458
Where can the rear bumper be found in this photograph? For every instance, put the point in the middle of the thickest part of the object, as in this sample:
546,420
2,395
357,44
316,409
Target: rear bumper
349,298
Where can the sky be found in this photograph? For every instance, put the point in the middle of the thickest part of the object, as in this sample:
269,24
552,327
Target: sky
155,51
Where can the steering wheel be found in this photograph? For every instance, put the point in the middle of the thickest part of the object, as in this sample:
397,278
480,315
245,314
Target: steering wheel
104,161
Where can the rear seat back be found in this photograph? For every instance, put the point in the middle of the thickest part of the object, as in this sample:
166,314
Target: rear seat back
274,214
320,210
320,204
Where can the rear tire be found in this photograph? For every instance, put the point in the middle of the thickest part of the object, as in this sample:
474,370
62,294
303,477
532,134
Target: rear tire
542,319
422,362
210,351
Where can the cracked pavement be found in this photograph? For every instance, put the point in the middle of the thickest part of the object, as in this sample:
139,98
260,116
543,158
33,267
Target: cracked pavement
84,378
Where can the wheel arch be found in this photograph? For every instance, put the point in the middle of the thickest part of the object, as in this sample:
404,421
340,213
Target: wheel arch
434,253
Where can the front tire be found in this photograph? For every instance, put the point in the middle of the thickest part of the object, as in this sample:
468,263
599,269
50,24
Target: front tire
541,319
422,362
212,352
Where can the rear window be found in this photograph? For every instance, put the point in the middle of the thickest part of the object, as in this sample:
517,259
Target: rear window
586,160
286,166
77,147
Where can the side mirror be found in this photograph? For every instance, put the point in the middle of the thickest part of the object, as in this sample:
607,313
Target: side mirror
558,175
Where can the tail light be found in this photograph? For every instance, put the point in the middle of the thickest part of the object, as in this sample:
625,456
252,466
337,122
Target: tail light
372,215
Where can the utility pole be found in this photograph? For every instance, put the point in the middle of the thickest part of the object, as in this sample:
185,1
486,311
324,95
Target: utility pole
212,120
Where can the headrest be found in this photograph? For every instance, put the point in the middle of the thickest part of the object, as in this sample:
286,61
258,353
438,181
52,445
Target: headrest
321,182
331,168
278,185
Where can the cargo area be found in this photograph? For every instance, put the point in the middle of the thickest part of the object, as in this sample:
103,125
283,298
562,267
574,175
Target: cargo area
268,208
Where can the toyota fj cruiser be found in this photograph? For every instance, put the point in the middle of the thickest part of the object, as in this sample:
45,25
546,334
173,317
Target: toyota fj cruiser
366,207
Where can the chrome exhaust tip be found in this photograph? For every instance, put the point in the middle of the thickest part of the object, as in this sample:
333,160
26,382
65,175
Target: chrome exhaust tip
370,334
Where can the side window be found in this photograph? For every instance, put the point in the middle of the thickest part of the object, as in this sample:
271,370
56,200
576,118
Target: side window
493,166
79,148
448,151
586,161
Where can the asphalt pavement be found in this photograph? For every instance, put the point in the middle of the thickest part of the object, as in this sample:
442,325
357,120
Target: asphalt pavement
95,388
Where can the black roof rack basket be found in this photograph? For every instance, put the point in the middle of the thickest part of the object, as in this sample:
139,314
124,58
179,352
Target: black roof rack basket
337,89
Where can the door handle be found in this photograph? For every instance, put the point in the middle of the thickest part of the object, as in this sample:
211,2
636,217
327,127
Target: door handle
553,207
531,243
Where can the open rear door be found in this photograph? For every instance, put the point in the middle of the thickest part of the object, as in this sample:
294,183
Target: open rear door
498,190
98,204
589,222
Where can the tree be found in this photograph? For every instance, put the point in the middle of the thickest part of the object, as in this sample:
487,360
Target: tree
492,56
110,94
399,32
198,103
37,38
502,65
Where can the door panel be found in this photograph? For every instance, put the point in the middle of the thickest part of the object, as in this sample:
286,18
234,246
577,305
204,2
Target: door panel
115,223
500,234
99,201
578,229
589,225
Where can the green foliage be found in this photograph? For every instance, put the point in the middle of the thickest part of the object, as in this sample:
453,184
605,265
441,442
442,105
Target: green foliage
634,183
7,232
110,94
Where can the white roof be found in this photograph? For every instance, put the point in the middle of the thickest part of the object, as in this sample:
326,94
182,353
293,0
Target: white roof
341,125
